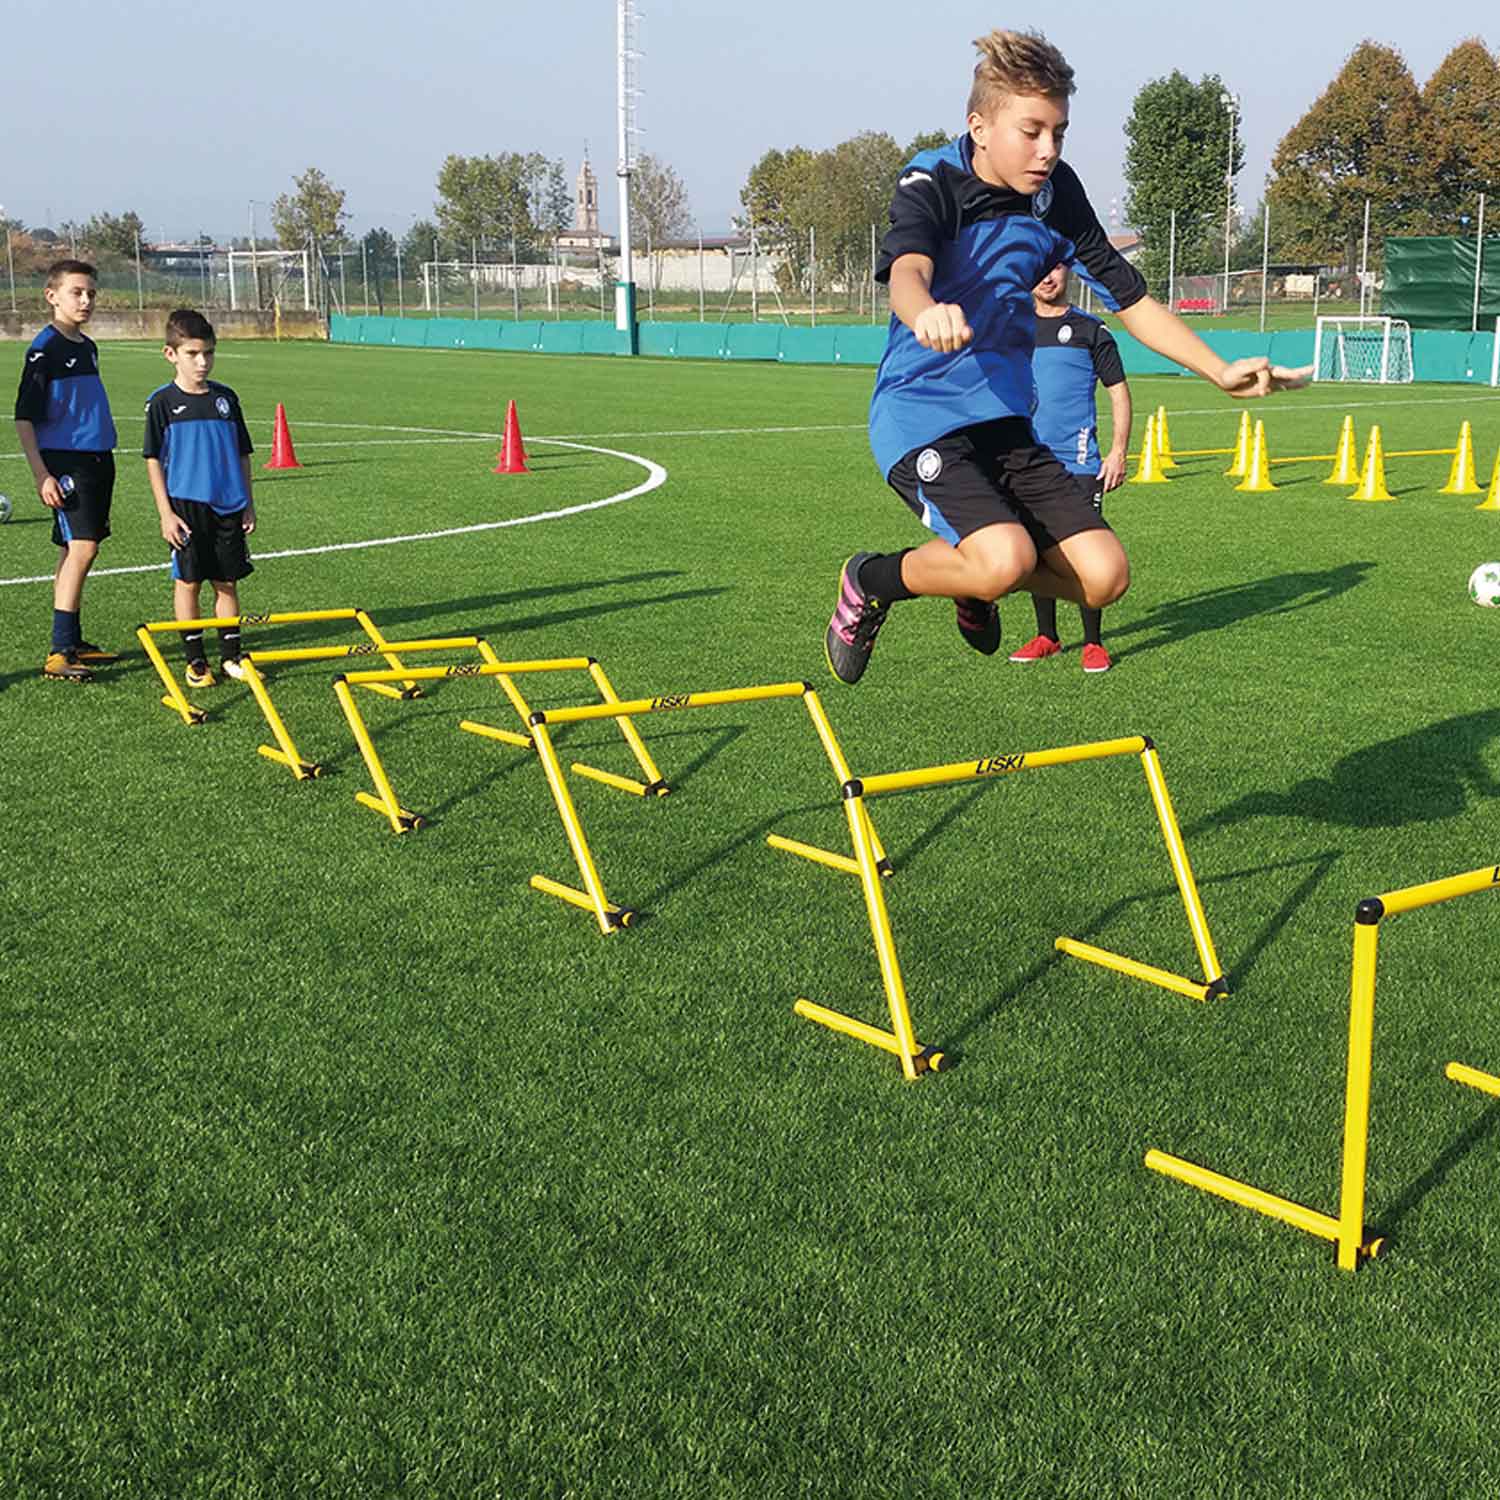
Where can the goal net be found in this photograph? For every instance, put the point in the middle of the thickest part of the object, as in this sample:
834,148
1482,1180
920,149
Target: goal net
1374,350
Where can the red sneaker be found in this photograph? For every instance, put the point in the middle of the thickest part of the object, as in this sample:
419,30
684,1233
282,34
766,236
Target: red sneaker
1038,647
1096,658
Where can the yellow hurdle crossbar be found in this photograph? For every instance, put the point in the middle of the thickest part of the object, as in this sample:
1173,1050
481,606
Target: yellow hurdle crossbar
1353,1243
870,864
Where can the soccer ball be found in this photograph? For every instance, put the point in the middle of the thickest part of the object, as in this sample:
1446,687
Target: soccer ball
1484,584
4,509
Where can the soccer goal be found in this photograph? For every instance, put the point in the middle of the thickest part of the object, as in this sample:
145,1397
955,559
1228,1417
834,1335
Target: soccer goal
1375,350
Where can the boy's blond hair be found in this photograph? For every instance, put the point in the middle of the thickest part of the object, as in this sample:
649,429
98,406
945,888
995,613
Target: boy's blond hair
1017,62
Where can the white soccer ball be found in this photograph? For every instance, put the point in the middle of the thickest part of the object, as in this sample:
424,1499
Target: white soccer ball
4,509
1484,584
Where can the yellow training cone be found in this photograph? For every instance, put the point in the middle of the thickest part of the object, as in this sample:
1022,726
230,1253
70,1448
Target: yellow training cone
1461,480
1150,469
1372,480
1258,476
1163,441
1345,469
1492,500
1241,463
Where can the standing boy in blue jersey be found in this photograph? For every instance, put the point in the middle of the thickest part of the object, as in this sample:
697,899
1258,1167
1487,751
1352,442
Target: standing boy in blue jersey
68,436
197,454
974,226
1072,351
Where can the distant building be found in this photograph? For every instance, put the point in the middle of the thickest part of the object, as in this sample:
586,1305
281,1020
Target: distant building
585,233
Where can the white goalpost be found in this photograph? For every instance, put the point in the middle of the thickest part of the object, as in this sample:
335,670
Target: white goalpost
1369,349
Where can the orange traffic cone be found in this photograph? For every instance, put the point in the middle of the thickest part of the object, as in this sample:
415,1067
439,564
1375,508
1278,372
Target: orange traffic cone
512,456
283,455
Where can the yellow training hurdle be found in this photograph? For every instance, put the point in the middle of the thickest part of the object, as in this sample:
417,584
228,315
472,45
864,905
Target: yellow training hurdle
871,865
1347,1230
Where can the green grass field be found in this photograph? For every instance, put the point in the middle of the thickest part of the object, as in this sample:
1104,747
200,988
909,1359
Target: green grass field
335,1163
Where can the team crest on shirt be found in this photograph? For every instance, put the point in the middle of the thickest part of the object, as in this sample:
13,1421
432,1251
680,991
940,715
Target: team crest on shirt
1042,201
929,465
222,406
1065,335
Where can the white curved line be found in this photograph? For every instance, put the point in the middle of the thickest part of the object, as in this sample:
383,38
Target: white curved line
656,476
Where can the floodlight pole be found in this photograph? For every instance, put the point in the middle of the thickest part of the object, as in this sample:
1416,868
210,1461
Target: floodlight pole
1478,264
625,104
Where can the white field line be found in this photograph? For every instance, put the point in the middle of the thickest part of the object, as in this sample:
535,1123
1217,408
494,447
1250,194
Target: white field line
656,476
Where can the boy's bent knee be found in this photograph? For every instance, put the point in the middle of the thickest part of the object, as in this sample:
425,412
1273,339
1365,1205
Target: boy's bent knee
1100,591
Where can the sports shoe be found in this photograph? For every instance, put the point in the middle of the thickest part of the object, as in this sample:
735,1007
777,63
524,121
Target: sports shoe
1096,658
198,674
64,666
94,655
979,624
857,618
230,667
1036,649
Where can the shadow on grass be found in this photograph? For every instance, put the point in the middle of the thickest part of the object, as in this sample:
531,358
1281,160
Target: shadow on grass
1236,972
1421,777
1177,620
413,614
1478,1134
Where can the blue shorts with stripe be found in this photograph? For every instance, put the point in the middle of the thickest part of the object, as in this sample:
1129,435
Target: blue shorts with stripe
994,473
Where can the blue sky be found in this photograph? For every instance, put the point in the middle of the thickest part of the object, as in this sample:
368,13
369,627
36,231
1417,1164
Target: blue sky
187,114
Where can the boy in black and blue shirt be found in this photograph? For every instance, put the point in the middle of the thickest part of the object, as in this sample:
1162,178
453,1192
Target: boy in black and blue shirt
1073,351
65,430
197,453
975,226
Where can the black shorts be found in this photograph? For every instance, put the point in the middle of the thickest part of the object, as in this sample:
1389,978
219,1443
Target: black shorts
216,550
997,472
84,516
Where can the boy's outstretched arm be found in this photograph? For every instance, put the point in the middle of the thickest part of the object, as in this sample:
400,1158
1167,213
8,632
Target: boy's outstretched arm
1162,330
937,325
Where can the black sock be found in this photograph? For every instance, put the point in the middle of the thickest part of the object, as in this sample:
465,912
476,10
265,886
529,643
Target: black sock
1091,622
67,632
192,645
880,576
1046,616
229,642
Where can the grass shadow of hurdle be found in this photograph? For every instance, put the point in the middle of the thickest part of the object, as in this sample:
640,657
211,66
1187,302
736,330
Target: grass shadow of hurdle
1453,1154
415,614
1237,972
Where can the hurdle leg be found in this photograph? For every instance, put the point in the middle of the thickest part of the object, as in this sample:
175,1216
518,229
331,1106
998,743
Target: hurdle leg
400,819
655,786
175,698
1352,1246
287,755
1472,1078
592,898
407,689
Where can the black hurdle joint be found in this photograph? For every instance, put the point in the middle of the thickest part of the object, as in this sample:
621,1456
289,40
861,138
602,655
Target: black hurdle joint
1369,911
936,1060
340,677
622,916
1148,743
414,691
593,661
539,717
884,868
657,788
1217,988
852,788
807,687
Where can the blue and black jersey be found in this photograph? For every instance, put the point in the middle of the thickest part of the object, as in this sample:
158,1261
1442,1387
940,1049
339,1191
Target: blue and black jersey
199,441
1071,353
989,246
62,396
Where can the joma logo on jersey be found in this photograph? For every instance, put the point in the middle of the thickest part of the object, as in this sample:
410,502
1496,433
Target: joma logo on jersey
466,669
670,700
999,765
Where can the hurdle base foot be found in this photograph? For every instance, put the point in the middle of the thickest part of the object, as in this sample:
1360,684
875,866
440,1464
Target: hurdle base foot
489,732
608,778
812,852
195,715
1192,988
401,820
1472,1078
923,1059
611,918
303,770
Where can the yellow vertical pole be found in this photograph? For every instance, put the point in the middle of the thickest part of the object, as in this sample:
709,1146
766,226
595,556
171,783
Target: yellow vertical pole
654,782
1187,887
299,768
563,798
385,801
175,698
880,929
372,630
507,685
834,751
1357,1086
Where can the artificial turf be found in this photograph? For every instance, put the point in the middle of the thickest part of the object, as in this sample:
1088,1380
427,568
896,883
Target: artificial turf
339,1163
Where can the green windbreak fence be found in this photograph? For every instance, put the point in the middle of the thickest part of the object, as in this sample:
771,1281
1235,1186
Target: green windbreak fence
1429,281
1437,355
